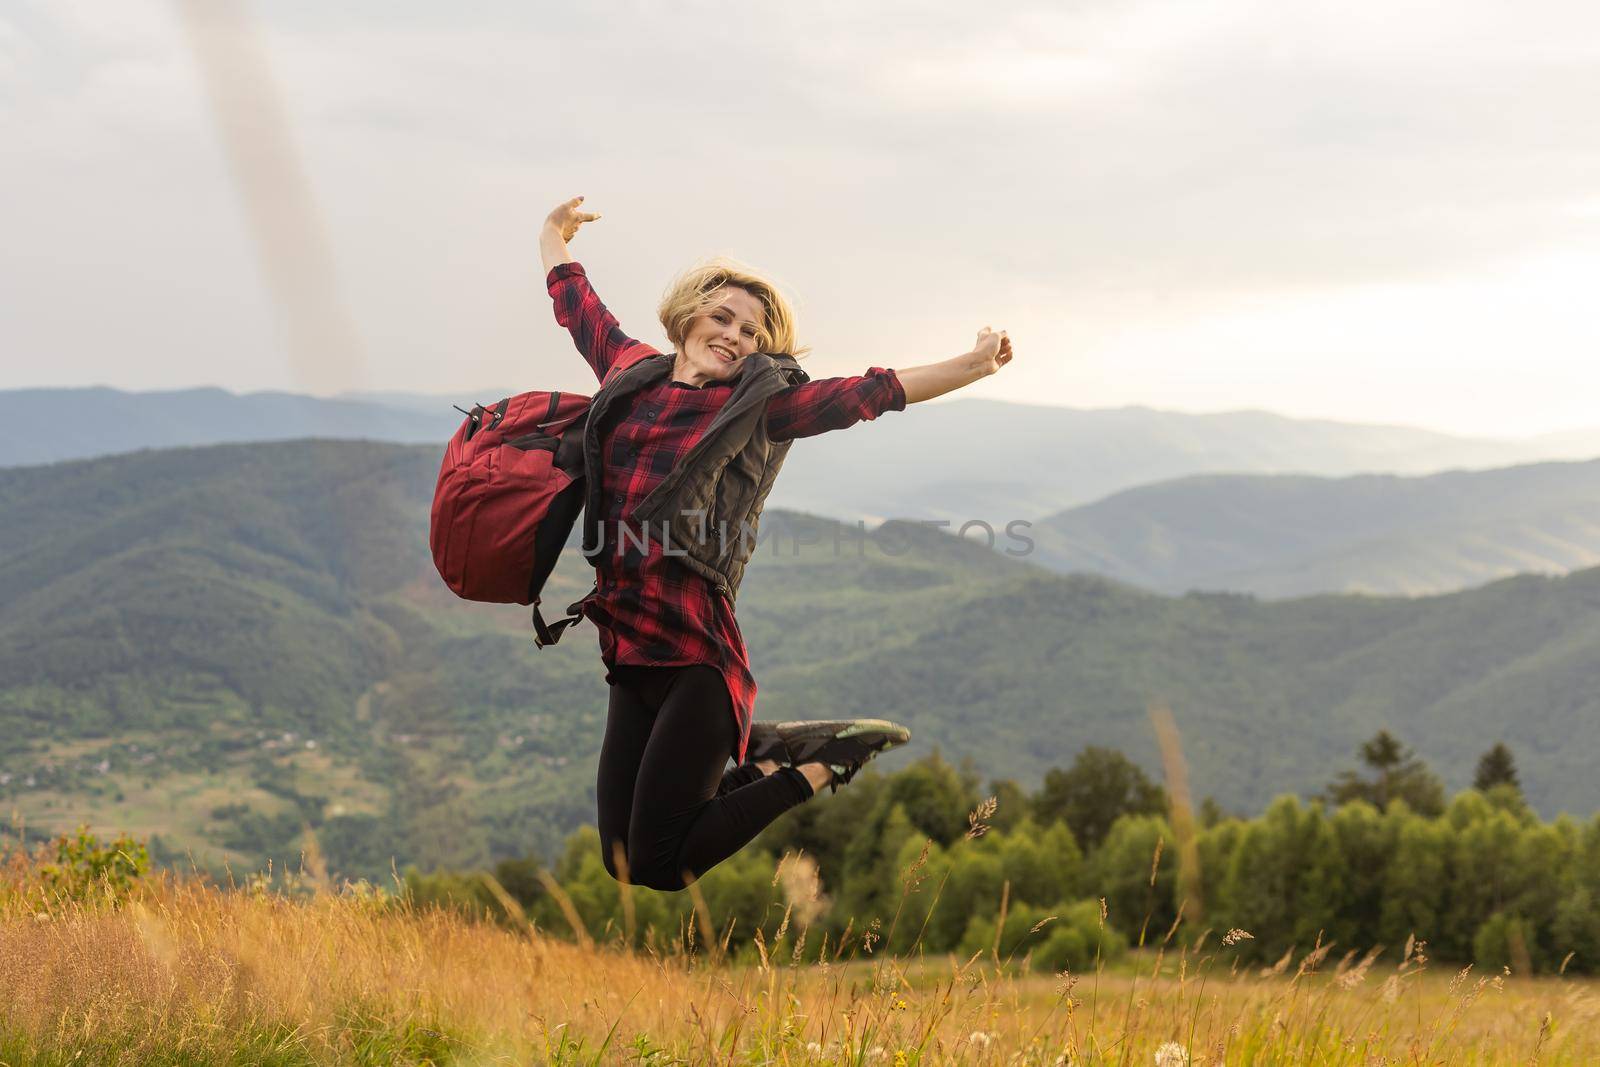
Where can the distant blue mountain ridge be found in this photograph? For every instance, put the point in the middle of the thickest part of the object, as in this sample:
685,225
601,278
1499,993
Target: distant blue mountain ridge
954,461
50,425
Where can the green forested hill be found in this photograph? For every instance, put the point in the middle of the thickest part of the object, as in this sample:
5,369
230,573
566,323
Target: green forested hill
1271,697
1292,535
227,645
246,639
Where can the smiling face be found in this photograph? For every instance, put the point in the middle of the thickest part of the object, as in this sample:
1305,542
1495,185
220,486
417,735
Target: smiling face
717,340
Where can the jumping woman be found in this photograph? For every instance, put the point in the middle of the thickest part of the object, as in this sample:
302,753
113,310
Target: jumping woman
685,449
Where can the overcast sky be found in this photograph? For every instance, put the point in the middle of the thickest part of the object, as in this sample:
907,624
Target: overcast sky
1375,211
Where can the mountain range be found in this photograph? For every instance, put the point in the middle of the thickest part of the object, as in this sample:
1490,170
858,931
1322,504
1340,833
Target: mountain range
951,460
229,646
1292,535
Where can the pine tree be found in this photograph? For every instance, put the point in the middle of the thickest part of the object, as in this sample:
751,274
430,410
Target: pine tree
1496,767
1398,774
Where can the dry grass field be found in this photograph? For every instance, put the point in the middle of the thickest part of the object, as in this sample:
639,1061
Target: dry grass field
175,971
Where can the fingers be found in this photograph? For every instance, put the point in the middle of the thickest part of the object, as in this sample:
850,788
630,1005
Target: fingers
570,218
1003,354
572,207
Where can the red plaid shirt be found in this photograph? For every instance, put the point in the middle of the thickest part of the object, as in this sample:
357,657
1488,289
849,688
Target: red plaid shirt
650,608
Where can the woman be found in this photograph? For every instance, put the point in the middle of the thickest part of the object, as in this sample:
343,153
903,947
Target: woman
691,440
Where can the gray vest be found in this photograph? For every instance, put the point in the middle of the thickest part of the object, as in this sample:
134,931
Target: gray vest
706,510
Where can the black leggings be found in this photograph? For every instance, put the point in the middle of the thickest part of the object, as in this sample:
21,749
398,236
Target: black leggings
662,791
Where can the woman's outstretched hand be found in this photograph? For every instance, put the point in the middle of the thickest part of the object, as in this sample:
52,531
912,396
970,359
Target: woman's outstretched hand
561,226
566,218
992,351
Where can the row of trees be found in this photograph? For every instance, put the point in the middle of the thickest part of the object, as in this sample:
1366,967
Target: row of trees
1090,863
1394,772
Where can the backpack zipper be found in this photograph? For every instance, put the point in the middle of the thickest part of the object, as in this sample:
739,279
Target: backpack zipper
474,418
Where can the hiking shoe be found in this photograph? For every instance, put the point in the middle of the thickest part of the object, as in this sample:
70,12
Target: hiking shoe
843,744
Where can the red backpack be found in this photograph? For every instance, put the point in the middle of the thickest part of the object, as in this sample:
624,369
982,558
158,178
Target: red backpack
510,490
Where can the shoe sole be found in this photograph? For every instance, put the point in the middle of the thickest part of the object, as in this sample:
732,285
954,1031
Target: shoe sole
794,736
852,727
874,735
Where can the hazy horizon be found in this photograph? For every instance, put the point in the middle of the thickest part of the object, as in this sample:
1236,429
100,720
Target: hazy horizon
1360,213
468,392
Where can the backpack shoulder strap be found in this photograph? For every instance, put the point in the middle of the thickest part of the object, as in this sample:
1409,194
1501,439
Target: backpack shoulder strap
548,633
637,354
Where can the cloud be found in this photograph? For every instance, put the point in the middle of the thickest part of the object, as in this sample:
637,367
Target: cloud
1080,162
1152,144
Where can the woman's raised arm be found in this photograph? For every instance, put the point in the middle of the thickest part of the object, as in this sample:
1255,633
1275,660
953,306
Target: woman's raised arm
992,352
835,403
561,226
577,307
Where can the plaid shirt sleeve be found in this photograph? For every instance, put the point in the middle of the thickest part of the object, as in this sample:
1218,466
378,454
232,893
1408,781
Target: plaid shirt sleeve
594,329
811,408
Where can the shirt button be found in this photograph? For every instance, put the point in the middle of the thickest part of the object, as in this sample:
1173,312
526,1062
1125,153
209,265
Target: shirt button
619,500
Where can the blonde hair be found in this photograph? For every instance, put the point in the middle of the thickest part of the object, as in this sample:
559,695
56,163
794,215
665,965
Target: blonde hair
698,290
